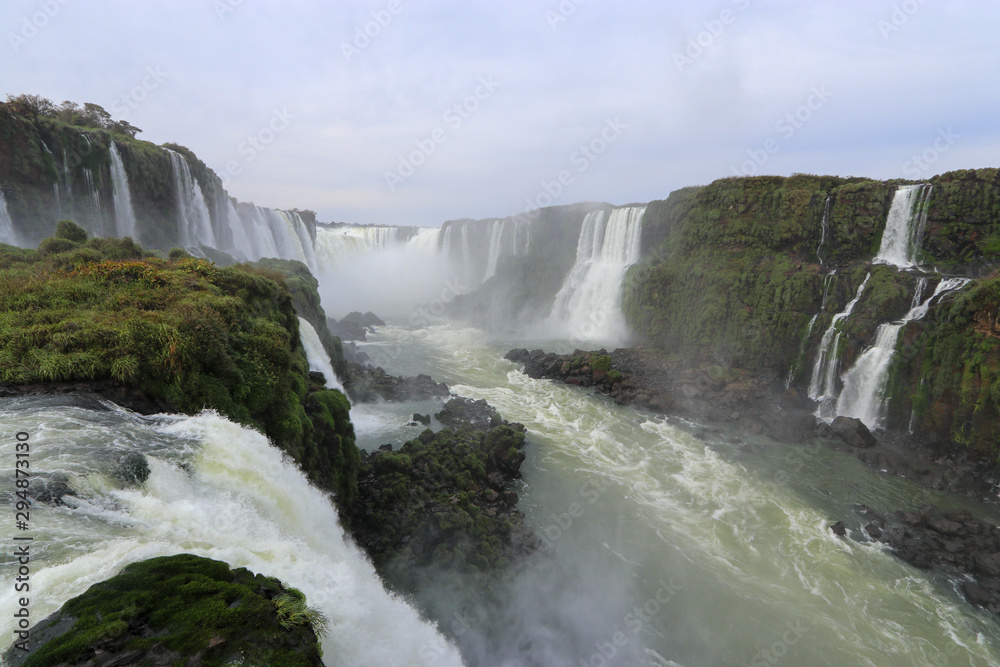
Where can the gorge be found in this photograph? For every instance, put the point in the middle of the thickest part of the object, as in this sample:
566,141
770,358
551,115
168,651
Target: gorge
666,538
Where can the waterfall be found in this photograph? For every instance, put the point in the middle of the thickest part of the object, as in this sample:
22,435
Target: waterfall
337,245
863,395
124,213
7,234
55,185
904,226
319,360
193,219
426,241
509,237
216,489
68,187
825,231
822,385
588,305
94,194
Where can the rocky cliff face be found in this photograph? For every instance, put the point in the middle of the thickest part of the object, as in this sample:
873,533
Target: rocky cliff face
750,273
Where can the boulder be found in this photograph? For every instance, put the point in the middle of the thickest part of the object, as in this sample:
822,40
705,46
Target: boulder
853,432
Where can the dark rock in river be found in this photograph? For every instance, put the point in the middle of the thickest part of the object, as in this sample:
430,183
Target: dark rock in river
853,432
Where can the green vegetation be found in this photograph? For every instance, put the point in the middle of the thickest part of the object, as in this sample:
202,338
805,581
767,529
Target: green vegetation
422,504
948,370
186,608
186,332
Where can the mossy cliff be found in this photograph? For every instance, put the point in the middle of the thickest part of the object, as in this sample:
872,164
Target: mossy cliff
183,610
748,273
185,334
55,164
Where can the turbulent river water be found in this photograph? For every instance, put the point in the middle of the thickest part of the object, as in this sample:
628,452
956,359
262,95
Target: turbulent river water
666,548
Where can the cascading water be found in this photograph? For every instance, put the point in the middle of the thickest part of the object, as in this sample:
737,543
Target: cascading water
337,245
588,305
55,186
193,218
509,236
825,231
319,360
823,383
7,234
216,489
864,384
124,213
904,226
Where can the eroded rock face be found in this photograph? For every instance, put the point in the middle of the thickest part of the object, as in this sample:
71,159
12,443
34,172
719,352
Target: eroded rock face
149,614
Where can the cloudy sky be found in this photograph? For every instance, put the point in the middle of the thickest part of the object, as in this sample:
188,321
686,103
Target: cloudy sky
405,112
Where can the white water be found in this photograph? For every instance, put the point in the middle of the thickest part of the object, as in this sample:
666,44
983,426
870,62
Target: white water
823,382
319,360
216,489
588,305
904,226
193,218
863,395
336,246
825,231
626,502
124,213
508,237
7,234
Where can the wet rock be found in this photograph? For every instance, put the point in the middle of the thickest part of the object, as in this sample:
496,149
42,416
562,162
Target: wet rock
422,419
839,529
132,469
853,432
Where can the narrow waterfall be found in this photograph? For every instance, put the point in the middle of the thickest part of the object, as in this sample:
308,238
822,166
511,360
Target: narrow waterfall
124,213
825,231
823,383
94,195
216,489
863,395
319,360
193,219
588,305
904,226
7,234
55,186
67,183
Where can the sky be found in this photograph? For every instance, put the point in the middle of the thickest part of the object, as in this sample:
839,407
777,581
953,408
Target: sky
413,113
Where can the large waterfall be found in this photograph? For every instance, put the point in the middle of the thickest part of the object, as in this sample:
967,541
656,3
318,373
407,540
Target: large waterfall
904,226
319,360
193,218
216,489
124,213
864,384
509,236
7,234
588,305
823,382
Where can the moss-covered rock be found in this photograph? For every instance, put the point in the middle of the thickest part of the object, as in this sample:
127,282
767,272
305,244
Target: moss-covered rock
180,609
186,333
